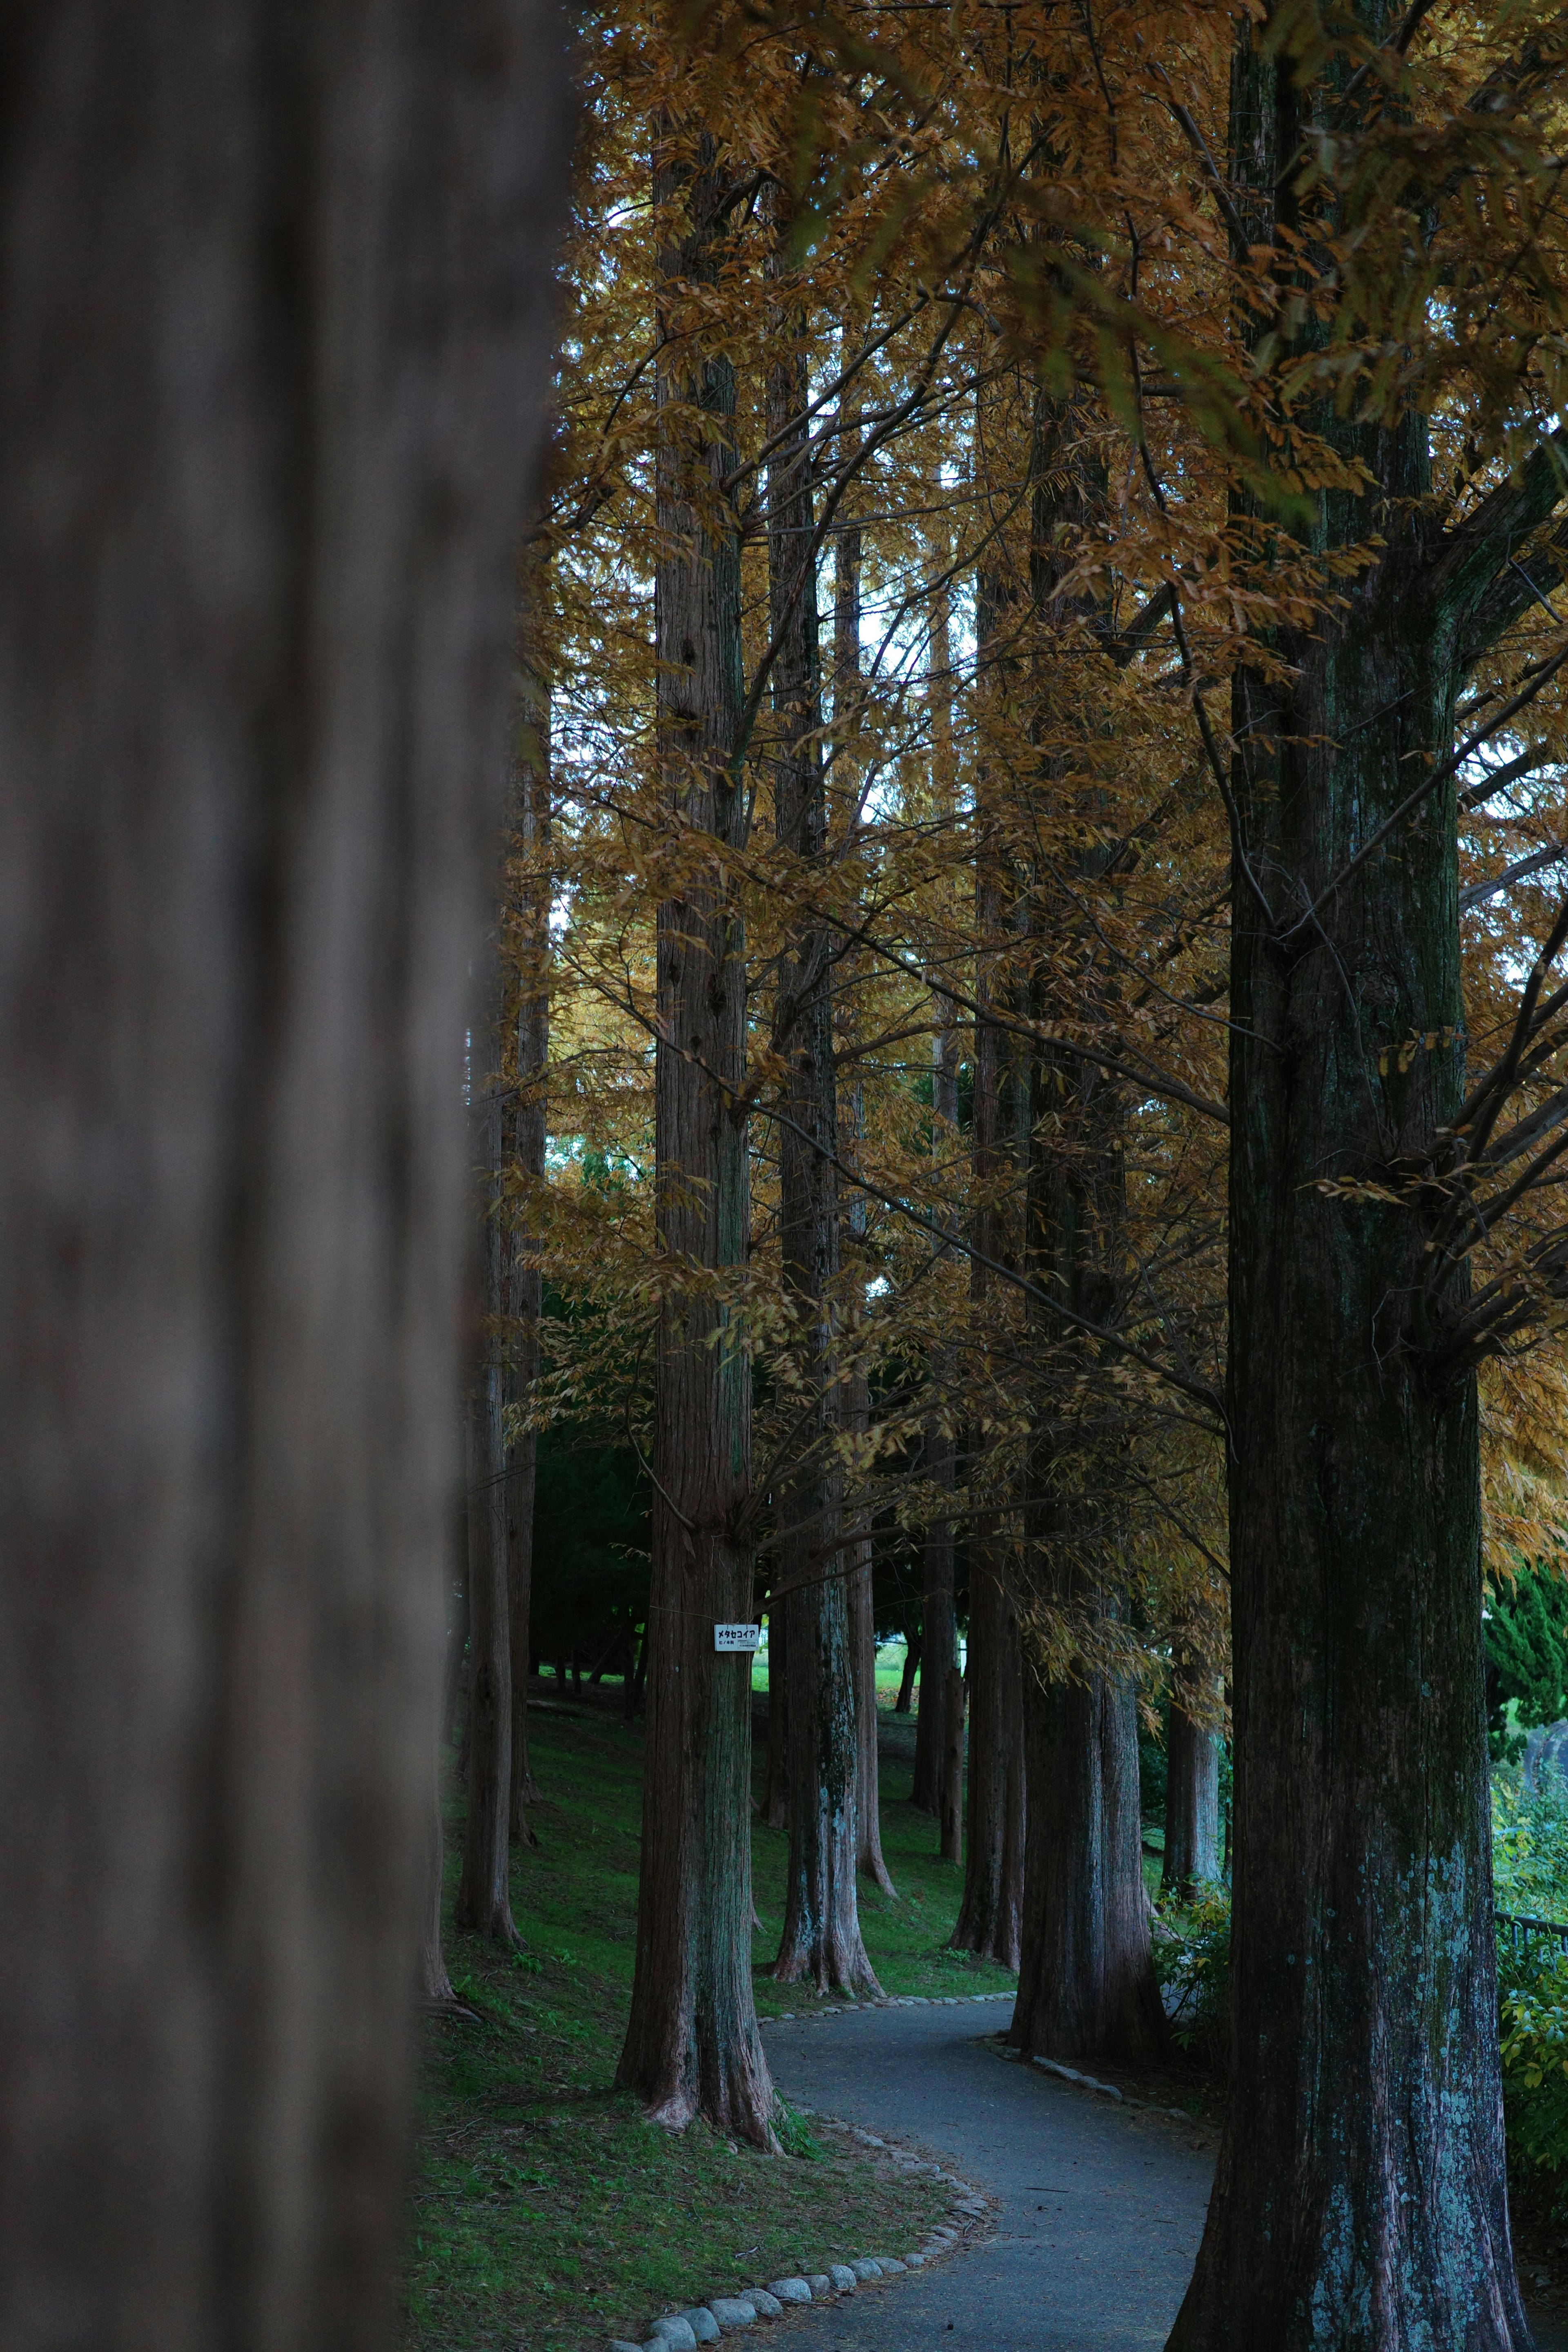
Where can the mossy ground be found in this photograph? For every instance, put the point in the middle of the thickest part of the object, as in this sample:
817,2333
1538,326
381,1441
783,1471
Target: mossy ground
545,2212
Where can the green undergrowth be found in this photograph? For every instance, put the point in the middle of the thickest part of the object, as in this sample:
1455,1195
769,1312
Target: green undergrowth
545,2212
1529,1846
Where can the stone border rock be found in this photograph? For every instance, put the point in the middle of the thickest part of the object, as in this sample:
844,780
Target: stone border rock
1109,2090
725,2315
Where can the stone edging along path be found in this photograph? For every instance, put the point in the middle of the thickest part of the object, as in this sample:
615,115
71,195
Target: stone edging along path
682,2331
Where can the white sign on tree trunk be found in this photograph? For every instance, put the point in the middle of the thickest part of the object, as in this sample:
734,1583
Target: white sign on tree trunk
737,1637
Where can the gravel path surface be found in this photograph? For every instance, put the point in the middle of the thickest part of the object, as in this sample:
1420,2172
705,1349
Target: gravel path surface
1096,2212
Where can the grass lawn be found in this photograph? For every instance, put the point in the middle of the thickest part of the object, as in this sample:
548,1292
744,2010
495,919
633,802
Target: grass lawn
545,2212
889,1669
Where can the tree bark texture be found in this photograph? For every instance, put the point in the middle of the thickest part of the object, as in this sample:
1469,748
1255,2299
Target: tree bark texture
276,298
483,1902
528,1124
692,2046
1360,2198
1192,1786
821,1937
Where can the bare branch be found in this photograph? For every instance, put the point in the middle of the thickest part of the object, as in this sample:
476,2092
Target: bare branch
1519,871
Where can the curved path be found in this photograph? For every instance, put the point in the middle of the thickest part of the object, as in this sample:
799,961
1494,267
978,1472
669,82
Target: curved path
1098,2210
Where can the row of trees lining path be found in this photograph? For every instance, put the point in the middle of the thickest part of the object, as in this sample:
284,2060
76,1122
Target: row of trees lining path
1307,629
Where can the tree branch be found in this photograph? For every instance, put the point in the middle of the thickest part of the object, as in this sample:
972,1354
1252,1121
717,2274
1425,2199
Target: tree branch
1473,569
1519,871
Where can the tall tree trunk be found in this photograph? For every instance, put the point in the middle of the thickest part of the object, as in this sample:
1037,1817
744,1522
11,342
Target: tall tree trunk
821,1937
859,1551
1360,2196
531,848
276,325
938,1630
869,1857
939,1638
1192,1778
990,1912
1086,1985
1087,1982
483,1902
692,2046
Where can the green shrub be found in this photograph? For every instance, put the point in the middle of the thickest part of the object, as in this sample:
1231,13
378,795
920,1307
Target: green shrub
1192,1960
1529,1846
1535,2084
1526,1635
1530,1830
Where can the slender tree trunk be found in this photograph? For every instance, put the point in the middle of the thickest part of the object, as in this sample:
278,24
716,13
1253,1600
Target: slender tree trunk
1192,1778
483,1902
692,2046
821,1937
938,1631
939,1638
863,1639
277,335
902,1703
989,1914
1360,2198
435,1983
530,849
858,1552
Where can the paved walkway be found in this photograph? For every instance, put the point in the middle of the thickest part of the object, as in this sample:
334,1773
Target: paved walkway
1100,2210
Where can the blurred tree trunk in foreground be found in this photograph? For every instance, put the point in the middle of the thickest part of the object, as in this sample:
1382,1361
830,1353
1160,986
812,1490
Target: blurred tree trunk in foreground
277,325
